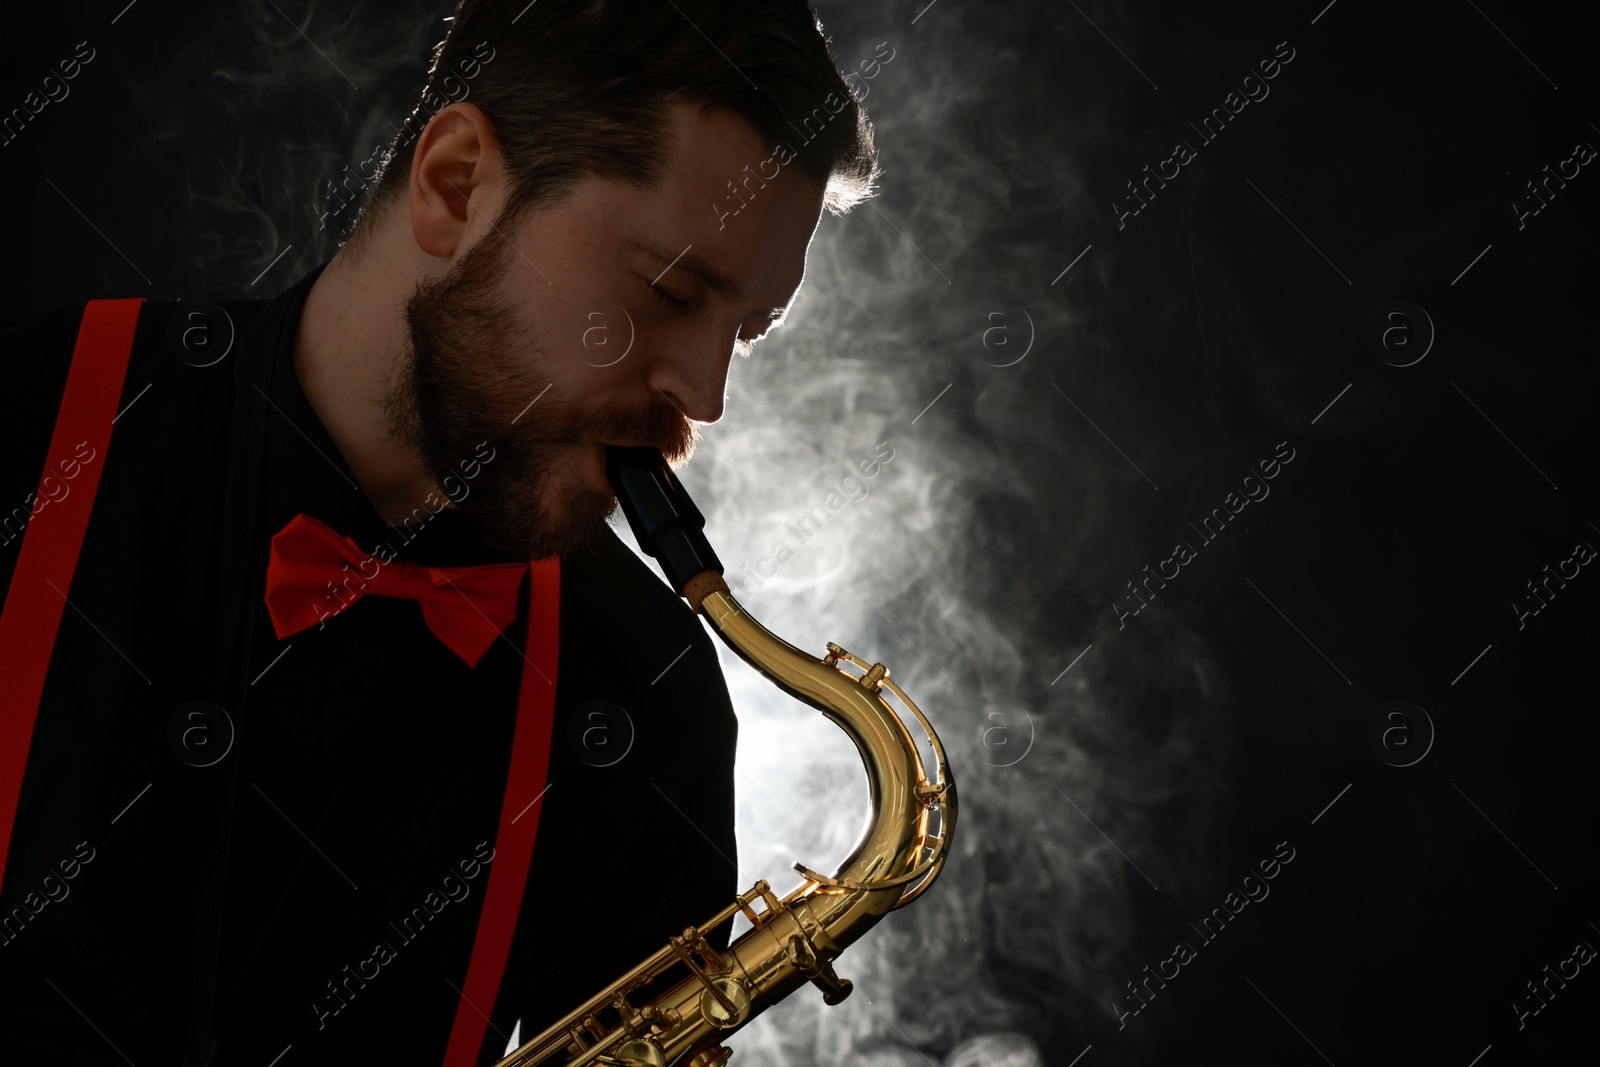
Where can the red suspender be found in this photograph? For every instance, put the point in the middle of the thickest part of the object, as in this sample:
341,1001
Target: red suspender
37,598
54,536
519,816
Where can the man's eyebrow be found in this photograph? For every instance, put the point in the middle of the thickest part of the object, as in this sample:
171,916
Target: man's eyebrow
691,264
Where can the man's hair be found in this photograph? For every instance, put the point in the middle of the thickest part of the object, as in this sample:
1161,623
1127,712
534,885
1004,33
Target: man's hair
583,89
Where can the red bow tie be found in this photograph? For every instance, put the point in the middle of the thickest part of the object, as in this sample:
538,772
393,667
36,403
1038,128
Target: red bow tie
308,581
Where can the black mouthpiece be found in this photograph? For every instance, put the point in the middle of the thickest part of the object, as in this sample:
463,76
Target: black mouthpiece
665,521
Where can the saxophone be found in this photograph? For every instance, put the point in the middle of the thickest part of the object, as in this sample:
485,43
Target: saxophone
793,940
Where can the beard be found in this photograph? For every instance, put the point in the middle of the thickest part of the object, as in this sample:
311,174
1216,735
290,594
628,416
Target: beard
464,380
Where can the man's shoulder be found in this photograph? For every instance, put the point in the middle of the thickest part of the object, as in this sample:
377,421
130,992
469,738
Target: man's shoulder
173,342
36,345
37,348
64,312
33,342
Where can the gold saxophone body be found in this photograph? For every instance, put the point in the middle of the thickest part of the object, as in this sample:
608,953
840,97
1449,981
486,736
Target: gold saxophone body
794,940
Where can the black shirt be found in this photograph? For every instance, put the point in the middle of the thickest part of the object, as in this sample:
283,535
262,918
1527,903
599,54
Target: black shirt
367,763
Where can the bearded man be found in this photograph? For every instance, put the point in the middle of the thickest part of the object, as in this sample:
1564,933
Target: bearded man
339,726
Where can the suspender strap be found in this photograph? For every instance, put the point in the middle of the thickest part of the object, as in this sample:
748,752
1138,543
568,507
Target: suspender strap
54,537
519,816
32,615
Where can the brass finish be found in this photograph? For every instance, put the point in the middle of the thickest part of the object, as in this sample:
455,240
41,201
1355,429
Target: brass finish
794,940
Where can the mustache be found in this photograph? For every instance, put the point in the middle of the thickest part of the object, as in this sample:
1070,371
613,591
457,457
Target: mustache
658,424
655,423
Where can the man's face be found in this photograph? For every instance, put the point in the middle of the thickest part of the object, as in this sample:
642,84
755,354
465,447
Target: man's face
565,332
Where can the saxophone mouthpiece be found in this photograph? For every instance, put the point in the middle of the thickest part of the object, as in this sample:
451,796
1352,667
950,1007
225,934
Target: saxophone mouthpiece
664,520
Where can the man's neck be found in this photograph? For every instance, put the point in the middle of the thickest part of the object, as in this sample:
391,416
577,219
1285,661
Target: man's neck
347,349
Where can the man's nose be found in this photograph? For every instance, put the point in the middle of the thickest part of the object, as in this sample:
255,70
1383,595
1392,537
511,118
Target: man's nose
694,378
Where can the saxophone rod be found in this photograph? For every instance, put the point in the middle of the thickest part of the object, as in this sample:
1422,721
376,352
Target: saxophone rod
663,958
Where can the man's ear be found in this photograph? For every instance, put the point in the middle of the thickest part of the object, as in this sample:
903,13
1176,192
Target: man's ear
455,188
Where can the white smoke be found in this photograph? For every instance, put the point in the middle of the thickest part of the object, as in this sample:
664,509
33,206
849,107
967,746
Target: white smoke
977,567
